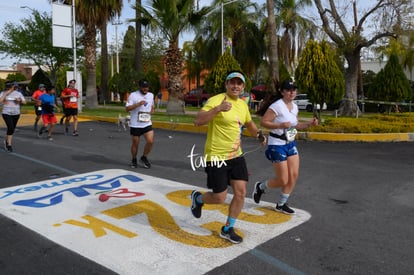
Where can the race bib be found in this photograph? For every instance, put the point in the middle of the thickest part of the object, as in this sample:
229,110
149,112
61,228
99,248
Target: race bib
73,99
39,108
144,117
290,134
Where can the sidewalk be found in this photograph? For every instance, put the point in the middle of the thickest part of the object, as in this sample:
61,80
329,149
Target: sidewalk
28,119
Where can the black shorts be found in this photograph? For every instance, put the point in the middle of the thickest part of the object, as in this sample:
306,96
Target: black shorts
139,131
219,175
70,112
37,111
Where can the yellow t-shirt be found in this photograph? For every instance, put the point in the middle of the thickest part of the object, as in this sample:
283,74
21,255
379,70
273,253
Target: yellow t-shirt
225,129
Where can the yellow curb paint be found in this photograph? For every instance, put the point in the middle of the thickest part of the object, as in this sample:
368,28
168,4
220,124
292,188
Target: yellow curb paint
28,119
385,137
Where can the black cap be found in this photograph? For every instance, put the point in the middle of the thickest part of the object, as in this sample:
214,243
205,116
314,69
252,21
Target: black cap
49,88
143,83
288,85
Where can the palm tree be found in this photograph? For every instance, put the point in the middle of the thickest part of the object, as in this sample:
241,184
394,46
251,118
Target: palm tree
91,14
171,18
295,29
240,26
192,52
273,54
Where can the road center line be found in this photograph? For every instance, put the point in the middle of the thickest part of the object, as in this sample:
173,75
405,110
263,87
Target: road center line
64,170
275,262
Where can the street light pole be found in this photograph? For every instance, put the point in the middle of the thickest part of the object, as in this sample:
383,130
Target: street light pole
222,22
116,23
26,7
32,10
75,64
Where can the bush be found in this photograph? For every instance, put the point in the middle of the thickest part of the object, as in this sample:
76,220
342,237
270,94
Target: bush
395,123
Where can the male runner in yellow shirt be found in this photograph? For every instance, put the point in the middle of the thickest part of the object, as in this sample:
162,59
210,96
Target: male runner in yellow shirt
225,114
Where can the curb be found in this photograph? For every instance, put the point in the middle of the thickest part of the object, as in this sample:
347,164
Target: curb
366,137
308,136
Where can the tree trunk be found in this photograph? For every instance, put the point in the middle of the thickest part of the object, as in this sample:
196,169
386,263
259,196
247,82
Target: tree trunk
349,106
175,88
103,91
90,64
273,51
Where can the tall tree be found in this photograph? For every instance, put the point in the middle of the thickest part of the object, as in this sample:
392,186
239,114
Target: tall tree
127,79
152,56
318,74
171,18
126,55
408,54
295,27
30,39
273,53
215,80
351,39
391,84
91,14
408,62
240,32
112,9
193,63
138,38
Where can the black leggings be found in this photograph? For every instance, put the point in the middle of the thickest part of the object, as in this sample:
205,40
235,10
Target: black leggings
11,122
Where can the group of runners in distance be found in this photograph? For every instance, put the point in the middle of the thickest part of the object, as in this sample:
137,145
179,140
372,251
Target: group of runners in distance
46,104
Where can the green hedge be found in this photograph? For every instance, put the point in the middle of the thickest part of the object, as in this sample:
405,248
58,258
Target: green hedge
394,123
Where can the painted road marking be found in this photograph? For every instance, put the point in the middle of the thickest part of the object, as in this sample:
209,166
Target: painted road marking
137,224
275,262
44,163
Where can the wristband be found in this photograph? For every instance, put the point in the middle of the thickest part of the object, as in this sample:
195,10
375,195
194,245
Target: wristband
260,136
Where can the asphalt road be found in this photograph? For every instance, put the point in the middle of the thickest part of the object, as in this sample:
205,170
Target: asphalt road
360,196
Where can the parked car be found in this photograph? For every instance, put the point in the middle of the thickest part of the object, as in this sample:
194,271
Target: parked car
196,97
303,103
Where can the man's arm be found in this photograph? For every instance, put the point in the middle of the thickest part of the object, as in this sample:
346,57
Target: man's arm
255,132
203,117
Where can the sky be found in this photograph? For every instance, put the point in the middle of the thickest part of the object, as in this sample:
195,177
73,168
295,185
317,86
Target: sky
11,11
